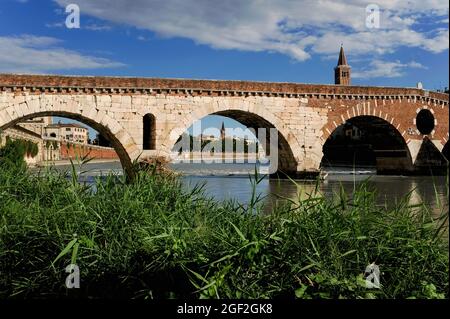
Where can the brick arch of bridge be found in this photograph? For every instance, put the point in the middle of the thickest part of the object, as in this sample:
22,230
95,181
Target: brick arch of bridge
288,148
345,114
445,141
389,131
400,114
32,107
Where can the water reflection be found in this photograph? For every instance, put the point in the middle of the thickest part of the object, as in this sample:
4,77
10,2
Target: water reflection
390,190
231,181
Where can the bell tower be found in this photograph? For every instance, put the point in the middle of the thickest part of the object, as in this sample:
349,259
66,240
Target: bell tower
342,70
222,132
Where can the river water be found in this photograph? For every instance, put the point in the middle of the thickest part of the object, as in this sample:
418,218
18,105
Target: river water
232,181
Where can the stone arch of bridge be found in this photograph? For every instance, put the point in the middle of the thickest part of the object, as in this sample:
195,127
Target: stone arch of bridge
288,147
121,141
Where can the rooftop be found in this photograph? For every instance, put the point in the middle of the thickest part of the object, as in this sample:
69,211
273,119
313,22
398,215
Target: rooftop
58,125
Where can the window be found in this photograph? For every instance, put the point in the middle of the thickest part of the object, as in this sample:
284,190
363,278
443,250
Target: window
149,138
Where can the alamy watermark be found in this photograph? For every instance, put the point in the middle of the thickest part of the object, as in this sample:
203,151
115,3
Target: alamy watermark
73,17
73,279
372,276
239,146
373,16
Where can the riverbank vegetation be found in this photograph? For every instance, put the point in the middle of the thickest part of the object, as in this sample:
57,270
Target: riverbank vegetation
17,149
154,239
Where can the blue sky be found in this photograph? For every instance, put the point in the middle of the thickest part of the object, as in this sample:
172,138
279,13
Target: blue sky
262,40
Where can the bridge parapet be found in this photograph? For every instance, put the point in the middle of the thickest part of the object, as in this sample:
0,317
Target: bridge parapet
52,84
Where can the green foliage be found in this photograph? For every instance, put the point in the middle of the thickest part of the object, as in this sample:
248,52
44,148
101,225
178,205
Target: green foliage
53,144
15,150
31,148
152,239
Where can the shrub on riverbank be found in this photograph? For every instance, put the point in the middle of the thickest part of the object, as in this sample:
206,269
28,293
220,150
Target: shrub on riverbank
156,165
152,239
15,150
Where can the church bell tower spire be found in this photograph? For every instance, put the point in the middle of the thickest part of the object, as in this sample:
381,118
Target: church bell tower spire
342,71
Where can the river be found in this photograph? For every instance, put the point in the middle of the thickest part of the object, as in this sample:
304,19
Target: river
231,181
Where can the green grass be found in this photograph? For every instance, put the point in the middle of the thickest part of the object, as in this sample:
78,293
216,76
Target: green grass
153,239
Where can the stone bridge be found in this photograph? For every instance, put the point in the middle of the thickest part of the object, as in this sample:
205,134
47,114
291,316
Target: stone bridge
145,116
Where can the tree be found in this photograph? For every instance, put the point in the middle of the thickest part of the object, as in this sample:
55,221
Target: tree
103,141
13,152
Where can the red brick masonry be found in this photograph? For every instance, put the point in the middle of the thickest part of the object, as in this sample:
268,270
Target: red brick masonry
78,151
63,83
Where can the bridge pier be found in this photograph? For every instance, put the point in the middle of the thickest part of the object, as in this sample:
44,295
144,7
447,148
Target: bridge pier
427,157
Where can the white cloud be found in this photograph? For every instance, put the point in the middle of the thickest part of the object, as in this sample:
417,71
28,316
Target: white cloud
297,28
142,38
38,54
381,42
386,69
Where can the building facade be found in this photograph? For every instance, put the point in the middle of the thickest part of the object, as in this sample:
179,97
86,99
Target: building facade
67,132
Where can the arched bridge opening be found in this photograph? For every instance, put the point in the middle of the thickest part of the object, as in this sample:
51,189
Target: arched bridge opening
367,142
103,130
273,142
